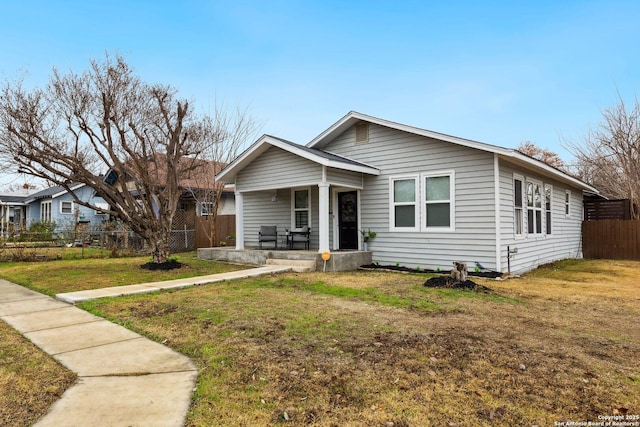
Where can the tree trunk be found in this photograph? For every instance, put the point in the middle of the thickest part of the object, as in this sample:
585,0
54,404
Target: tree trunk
160,250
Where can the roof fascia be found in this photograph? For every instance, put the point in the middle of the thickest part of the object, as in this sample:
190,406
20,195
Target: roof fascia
354,117
261,145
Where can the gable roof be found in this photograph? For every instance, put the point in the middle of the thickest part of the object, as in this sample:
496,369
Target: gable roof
53,192
315,155
514,156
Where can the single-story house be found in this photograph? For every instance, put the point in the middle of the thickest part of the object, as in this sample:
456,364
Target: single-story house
430,198
55,204
13,211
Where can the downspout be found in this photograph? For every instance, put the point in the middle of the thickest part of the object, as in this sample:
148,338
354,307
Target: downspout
496,191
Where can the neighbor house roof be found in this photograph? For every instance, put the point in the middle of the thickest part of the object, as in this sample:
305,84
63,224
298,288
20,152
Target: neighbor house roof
197,172
315,155
53,192
353,117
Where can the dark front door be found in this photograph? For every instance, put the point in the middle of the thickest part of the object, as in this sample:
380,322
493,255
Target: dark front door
348,219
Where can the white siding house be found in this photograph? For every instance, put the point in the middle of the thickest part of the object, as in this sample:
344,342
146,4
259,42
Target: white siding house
431,198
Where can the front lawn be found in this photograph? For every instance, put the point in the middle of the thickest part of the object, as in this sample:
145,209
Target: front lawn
53,277
376,348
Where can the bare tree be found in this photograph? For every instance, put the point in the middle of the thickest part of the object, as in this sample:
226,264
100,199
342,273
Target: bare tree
608,157
542,154
128,140
224,134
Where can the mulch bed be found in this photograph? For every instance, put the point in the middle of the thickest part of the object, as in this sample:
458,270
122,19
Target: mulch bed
164,266
445,282
485,274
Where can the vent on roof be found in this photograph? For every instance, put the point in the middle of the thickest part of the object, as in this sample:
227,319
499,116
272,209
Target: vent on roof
362,132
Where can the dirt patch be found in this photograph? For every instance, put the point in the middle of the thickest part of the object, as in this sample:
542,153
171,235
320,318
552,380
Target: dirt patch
449,283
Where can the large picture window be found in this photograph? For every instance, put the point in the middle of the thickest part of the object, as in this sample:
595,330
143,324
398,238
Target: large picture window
404,206
438,197
301,208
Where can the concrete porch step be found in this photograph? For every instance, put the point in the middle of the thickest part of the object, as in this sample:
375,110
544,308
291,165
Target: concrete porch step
297,265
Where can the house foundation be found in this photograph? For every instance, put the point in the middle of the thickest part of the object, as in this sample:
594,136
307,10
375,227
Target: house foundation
339,261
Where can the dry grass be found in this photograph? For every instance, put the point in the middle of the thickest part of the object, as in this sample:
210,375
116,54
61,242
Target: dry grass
369,349
30,381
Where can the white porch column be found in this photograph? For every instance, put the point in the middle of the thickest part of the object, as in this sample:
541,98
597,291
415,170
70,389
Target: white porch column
239,221
323,213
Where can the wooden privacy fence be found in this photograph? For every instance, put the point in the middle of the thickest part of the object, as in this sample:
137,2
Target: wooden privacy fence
225,226
611,239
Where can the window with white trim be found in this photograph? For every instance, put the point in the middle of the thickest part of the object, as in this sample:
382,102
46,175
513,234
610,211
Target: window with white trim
438,201
404,209
534,207
206,208
518,217
548,203
567,202
301,208
101,206
45,211
66,207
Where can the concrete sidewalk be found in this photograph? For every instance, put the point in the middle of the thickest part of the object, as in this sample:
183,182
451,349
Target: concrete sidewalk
142,288
124,379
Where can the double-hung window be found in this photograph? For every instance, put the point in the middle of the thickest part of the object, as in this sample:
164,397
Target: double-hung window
518,218
534,207
422,202
206,208
301,208
438,201
404,206
66,207
548,195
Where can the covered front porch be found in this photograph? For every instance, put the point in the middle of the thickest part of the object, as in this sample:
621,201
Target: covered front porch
307,260
290,187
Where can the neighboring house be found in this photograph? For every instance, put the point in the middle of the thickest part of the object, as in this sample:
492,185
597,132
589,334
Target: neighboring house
431,198
55,204
13,211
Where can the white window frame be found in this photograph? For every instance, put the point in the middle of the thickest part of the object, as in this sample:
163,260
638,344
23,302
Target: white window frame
208,211
567,203
536,232
548,224
521,208
294,209
393,204
100,205
424,202
45,211
62,203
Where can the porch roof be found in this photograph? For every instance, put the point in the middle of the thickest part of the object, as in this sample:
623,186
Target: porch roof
315,155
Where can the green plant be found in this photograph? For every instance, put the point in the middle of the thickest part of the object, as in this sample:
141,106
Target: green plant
368,234
438,269
417,268
476,269
397,264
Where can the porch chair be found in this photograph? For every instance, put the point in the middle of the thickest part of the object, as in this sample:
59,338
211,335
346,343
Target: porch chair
303,235
268,233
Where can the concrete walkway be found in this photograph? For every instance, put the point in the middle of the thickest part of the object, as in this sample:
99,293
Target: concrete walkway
124,379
